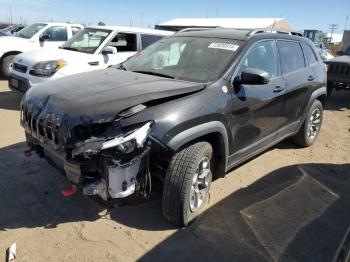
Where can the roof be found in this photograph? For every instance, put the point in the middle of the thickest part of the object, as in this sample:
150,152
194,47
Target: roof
238,23
59,24
133,29
236,34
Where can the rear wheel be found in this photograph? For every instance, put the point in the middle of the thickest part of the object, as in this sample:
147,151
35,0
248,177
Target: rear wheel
6,65
187,183
311,127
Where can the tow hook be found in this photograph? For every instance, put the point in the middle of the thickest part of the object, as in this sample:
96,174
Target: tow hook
28,152
69,191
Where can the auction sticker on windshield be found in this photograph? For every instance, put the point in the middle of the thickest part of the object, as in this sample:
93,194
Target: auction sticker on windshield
100,33
225,46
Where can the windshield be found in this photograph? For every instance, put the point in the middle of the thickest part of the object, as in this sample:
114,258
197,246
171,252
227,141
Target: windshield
87,40
185,58
29,31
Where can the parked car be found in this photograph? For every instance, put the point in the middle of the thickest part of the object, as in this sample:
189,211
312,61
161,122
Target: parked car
323,51
186,109
34,37
91,49
11,30
5,25
339,72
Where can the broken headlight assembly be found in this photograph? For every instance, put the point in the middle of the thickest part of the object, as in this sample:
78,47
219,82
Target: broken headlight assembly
47,68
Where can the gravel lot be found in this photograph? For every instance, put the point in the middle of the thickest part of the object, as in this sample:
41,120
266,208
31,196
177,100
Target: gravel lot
287,204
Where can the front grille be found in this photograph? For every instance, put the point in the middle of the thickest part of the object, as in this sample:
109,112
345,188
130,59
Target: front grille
43,127
20,68
339,69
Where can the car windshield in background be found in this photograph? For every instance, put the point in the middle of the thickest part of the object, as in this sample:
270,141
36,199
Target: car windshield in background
29,31
185,58
87,40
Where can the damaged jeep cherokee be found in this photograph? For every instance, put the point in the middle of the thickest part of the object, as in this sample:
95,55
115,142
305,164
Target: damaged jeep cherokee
185,110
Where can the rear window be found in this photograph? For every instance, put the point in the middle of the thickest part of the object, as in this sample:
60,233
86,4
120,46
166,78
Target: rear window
147,40
310,55
292,57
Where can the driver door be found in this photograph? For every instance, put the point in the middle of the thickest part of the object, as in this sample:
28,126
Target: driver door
257,109
119,49
53,37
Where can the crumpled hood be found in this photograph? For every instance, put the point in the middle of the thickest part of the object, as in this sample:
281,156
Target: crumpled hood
339,59
33,57
98,96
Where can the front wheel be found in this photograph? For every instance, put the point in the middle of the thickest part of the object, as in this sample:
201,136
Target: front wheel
311,127
187,183
6,65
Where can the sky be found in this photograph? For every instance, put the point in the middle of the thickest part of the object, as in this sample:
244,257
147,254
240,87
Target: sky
302,14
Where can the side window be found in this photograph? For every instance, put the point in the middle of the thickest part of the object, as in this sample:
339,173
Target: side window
147,40
263,56
75,30
124,42
292,57
56,33
309,53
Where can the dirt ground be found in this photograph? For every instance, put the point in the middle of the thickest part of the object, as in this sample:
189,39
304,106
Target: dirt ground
287,204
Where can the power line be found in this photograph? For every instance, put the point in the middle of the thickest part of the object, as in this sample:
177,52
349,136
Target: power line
333,27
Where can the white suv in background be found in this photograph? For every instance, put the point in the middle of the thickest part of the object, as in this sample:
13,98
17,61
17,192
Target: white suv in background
92,48
34,37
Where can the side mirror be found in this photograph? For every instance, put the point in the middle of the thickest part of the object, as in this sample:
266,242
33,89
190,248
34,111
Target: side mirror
252,76
108,50
44,38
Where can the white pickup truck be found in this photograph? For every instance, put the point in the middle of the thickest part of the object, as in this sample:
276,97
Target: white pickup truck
37,36
91,49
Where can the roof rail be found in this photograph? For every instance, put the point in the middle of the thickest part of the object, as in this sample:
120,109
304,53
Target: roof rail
190,29
272,31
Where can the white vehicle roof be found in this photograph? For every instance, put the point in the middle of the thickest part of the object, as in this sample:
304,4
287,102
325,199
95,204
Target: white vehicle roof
59,24
133,29
238,23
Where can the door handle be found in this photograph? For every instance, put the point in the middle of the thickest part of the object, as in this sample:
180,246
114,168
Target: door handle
96,63
278,89
310,78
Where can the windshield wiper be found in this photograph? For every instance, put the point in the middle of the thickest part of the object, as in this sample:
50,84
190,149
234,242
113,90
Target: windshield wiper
153,73
68,48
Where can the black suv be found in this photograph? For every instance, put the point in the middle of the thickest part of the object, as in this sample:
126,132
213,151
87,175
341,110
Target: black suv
339,72
185,110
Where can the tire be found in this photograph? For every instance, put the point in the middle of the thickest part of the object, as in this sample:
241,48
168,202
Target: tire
180,191
305,137
6,65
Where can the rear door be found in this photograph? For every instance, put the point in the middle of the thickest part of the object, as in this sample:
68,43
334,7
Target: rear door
298,77
147,40
257,109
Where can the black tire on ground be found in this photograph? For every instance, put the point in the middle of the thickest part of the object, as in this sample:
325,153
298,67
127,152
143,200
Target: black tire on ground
302,138
5,65
178,183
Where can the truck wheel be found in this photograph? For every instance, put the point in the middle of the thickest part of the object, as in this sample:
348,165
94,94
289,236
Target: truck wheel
6,65
311,127
187,183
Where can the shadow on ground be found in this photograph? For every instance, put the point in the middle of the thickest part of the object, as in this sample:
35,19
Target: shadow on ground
10,100
296,213
339,101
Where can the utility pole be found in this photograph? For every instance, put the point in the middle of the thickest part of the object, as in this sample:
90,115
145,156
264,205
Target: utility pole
333,27
11,14
141,19
346,22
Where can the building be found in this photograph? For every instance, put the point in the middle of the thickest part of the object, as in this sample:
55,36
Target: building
237,23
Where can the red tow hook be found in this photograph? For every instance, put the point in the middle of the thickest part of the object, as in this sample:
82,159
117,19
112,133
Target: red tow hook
27,152
69,191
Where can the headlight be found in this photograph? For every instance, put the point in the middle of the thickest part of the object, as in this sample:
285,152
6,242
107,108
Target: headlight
126,144
47,68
